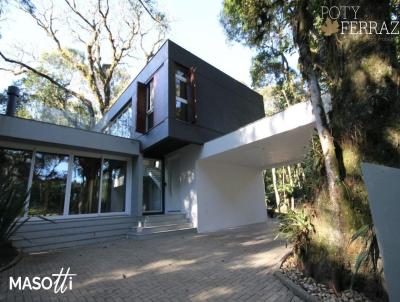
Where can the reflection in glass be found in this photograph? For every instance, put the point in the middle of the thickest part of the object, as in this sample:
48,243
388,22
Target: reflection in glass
48,184
122,124
180,84
113,186
85,185
152,182
14,170
181,94
181,111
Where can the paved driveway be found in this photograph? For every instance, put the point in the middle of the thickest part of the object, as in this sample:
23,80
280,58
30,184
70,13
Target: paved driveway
233,265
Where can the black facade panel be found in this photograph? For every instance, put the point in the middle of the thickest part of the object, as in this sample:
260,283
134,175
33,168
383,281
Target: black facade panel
222,103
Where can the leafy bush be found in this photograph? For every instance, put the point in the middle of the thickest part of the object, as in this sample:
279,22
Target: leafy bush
296,228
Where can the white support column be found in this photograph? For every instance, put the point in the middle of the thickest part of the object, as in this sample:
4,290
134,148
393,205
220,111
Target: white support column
228,196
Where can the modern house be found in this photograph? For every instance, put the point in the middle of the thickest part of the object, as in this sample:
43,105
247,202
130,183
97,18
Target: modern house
182,149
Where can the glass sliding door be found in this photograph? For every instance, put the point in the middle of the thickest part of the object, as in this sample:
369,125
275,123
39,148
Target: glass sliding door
85,185
15,166
72,184
48,184
152,186
113,186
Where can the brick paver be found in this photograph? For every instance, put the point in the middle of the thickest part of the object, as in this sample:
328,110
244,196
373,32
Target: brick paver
233,265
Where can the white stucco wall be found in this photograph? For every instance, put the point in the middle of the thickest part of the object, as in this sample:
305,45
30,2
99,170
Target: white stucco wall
228,196
182,162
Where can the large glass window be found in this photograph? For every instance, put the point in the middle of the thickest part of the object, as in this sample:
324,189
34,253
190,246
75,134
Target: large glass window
57,179
181,95
85,185
14,170
152,186
48,184
122,124
113,186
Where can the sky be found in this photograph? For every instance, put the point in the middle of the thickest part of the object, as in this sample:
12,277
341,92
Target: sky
194,26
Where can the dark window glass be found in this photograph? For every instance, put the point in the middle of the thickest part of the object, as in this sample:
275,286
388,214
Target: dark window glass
122,124
152,186
180,82
113,186
181,102
181,111
150,120
85,185
48,184
14,170
150,105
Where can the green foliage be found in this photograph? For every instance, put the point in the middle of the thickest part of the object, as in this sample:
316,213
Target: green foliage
12,207
265,26
296,228
314,168
369,255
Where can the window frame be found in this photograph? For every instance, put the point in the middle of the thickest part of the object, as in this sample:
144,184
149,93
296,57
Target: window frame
71,153
150,97
177,98
31,176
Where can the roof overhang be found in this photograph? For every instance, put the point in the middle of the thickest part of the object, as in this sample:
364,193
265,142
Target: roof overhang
34,132
272,141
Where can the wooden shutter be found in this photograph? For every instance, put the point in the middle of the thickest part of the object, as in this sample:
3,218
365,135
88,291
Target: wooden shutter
192,95
141,108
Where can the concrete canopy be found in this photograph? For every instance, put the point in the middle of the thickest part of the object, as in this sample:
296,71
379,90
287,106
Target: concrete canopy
230,184
272,141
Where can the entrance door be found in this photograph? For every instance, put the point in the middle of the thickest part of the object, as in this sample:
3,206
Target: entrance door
173,203
152,186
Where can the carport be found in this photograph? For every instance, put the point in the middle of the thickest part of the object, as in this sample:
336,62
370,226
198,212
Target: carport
230,185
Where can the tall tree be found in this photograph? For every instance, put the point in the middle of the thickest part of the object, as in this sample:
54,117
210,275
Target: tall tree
95,39
361,73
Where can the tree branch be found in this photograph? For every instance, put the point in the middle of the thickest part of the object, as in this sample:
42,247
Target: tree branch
86,102
150,12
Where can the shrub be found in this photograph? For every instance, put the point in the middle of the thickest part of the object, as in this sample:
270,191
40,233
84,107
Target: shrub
296,228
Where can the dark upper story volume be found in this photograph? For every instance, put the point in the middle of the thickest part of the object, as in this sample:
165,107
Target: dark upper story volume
178,99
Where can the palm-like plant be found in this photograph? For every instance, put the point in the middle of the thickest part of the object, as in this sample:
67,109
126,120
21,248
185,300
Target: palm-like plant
296,228
369,252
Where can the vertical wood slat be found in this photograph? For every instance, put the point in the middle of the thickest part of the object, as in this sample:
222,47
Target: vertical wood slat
141,108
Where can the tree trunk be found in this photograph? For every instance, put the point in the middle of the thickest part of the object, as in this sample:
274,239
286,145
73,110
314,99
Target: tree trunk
284,188
277,198
292,185
328,261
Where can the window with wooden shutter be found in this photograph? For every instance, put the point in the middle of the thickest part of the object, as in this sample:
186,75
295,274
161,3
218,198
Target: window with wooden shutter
141,108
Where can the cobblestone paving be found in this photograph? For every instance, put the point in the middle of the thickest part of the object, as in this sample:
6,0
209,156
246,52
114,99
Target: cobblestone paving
233,265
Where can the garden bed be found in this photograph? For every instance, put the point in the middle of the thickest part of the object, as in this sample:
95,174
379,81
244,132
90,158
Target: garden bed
314,290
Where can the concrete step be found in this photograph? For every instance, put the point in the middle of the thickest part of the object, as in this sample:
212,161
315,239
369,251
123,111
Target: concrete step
161,228
149,226
141,236
162,219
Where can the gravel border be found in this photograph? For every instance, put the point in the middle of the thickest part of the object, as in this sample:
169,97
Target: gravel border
296,289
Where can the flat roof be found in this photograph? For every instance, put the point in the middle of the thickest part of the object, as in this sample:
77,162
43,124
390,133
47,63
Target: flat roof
273,141
36,132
